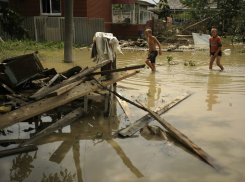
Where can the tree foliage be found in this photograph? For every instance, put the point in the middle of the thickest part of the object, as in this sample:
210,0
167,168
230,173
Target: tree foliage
228,17
164,10
11,22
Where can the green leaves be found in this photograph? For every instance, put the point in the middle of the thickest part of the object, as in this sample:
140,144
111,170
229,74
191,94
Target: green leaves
11,22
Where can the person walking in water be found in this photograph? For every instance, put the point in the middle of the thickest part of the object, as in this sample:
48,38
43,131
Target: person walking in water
215,49
152,54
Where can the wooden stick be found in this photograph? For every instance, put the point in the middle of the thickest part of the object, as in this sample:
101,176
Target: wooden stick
7,88
118,70
18,150
74,78
142,122
66,120
181,137
121,97
44,105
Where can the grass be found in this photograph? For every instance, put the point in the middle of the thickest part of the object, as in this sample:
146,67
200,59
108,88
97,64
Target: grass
12,48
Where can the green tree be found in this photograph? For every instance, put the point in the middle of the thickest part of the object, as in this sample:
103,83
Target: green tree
11,22
164,10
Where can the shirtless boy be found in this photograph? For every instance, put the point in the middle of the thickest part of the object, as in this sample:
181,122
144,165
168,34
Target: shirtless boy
152,54
215,49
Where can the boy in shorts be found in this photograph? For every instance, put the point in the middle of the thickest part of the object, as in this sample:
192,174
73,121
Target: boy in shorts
215,49
152,54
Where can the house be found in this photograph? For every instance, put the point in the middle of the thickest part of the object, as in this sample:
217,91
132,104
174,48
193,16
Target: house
90,16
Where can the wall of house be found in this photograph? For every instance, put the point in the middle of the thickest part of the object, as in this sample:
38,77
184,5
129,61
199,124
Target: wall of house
25,8
101,9
129,31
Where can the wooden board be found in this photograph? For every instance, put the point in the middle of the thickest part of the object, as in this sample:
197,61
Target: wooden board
47,104
64,89
142,122
182,138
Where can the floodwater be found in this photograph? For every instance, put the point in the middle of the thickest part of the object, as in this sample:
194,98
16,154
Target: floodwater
213,117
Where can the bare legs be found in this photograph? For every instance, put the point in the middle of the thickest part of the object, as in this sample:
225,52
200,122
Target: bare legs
218,58
151,65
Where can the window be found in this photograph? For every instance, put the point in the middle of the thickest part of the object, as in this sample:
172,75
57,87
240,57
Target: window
50,7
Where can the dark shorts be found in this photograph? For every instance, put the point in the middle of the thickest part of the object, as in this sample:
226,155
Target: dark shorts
219,54
152,56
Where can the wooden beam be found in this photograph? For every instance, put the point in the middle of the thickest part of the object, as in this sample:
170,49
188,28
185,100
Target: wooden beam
182,138
47,104
119,69
66,120
142,122
74,78
64,89
18,150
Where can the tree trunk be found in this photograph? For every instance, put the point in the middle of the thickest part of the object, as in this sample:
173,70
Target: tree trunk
68,31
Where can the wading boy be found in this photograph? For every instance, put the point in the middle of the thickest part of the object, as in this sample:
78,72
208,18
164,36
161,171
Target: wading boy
215,49
152,54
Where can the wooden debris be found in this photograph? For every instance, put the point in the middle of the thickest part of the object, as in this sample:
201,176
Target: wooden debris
18,150
47,104
64,89
182,138
142,122
66,120
83,73
7,88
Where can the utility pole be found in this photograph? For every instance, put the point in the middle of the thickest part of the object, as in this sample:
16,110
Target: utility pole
68,31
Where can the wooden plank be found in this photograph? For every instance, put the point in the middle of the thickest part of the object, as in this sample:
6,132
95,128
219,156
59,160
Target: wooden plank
142,122
72,79
182,138
46,86
47,104
66,120
119,69
64,89
18,150
126,109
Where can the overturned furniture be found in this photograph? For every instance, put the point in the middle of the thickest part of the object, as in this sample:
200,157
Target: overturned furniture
17,70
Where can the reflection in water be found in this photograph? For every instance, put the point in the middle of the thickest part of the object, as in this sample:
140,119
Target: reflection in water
60,177
153,90
21,167
212,92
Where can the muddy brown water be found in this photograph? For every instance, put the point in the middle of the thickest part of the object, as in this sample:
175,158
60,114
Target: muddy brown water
213,117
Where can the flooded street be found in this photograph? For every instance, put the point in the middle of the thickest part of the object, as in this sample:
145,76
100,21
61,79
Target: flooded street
213,117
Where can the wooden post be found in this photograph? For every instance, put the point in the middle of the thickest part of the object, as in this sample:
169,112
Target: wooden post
68,31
